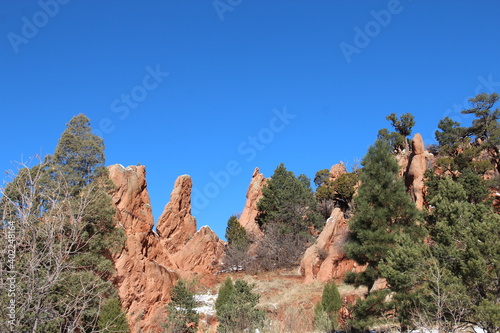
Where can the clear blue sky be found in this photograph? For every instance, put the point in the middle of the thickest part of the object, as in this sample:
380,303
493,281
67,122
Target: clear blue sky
204,87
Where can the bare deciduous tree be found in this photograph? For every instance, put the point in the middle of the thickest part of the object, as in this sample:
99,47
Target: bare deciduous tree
44,228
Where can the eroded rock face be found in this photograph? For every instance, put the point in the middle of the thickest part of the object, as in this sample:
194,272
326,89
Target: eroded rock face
416,170
201,254
254,194
326,259
131,199
337,170
176,224
150,263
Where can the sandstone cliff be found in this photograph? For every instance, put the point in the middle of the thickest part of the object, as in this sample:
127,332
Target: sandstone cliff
254,194
326,259
150,263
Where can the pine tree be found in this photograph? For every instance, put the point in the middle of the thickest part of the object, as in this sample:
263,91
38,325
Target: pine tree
182,318
289,202
383,209
322,321
65,213
236,235
403,126
452,278
340,192
235,306
450,135
79,156
485,126
112,318
465,242
287,210
331,302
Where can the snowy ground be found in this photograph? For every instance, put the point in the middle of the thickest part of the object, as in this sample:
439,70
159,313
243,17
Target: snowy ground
206,304
425,330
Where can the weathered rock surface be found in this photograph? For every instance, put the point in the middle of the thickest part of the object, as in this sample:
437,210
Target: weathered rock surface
254,194
337,170
176,224
150,263
416,170
326,259
201,254
131,199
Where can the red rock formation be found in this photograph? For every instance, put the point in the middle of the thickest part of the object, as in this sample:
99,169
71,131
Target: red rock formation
176,224
150,263
337,170
201,254
254,194
143,284
131,198
326,259
416,170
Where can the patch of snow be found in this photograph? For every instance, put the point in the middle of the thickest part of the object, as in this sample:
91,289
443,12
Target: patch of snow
426,330
206,304
231,269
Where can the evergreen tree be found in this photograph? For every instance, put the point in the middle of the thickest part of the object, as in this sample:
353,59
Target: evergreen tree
322,321
322,177
331,302
450,135
289,202
79,156
287,210
236,235
182,318
340,191
79,159
485,126
112,318
452,278
225,293
66,217
403,126
235,306
383,209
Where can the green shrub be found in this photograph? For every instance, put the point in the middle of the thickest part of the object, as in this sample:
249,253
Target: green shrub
235,306
112,317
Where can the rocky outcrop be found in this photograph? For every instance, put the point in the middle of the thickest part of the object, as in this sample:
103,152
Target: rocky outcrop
176,224
150,263
254,194
326,259
143,284
337,170
415,171
201,254
131,199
